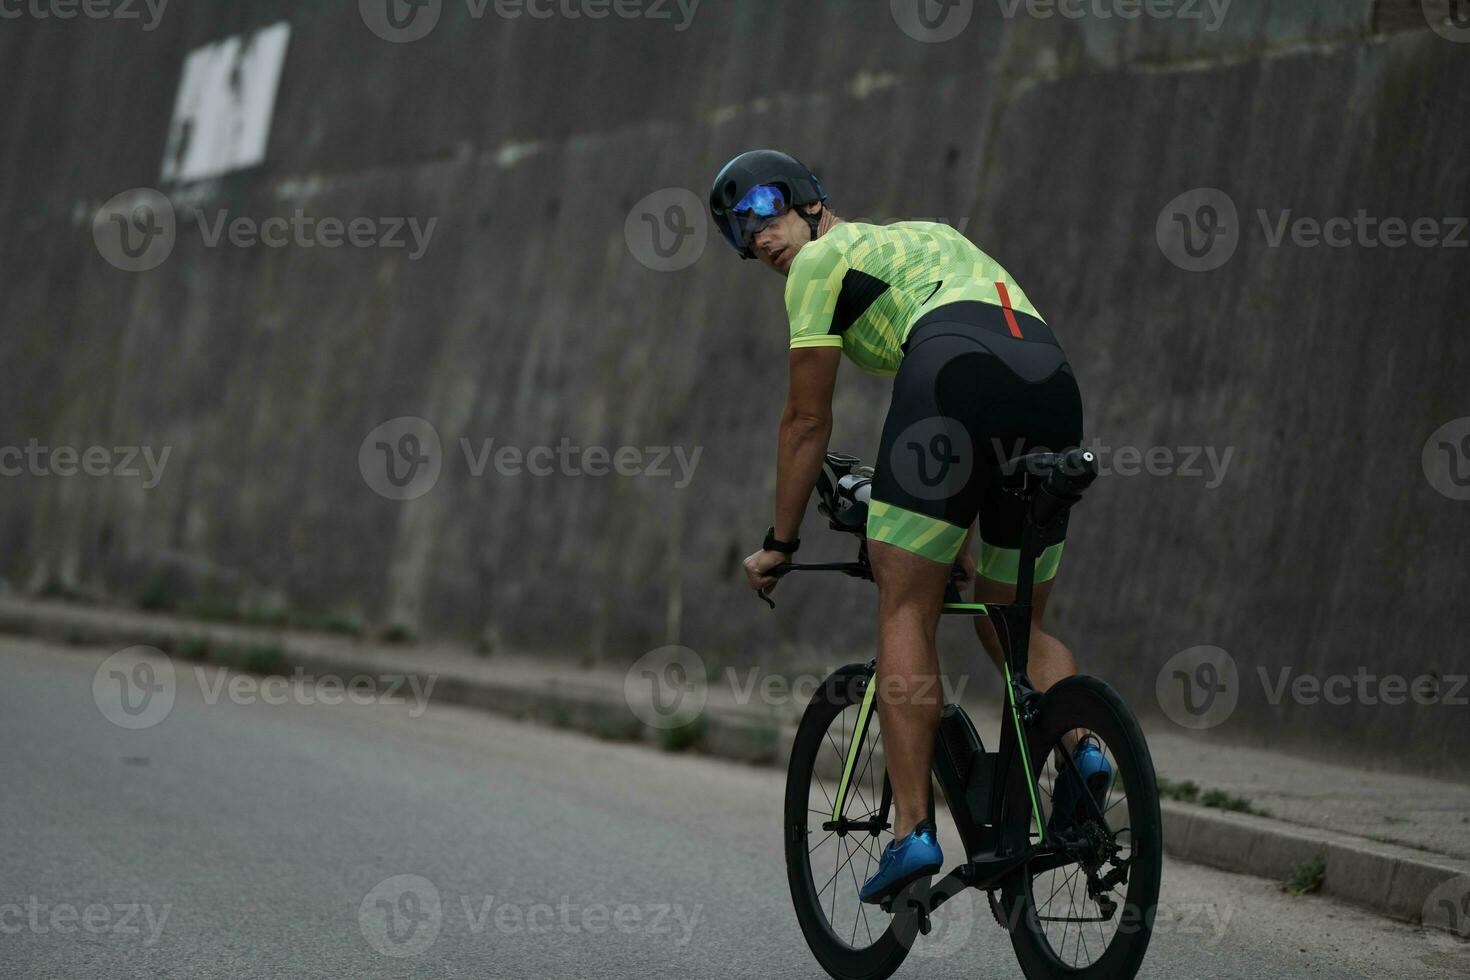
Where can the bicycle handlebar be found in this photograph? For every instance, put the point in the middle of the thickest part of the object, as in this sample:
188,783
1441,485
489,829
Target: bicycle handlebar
845,485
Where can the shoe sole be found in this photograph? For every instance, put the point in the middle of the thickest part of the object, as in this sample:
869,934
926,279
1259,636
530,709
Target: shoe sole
901,884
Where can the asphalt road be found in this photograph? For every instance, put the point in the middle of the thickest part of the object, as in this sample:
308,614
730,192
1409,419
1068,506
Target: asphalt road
237,838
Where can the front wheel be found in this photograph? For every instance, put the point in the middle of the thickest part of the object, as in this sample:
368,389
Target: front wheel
825,867
1087,911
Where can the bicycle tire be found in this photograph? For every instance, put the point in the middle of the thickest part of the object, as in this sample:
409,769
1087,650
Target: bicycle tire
877,960
1090,704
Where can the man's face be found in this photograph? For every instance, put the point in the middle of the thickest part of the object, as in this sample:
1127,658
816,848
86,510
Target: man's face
777,243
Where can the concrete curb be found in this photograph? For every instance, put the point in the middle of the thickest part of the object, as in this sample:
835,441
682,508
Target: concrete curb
1384,878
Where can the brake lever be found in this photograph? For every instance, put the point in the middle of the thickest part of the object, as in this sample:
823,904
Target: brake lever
776,572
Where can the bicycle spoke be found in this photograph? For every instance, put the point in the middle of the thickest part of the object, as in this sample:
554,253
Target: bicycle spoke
823,787
836,871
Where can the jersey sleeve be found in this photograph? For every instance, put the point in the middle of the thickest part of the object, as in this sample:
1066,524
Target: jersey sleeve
811,295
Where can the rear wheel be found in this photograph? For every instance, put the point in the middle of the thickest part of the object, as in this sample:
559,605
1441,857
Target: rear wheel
1087,912
826,865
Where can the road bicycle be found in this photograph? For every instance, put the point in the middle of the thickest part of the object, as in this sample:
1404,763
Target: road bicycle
1077,895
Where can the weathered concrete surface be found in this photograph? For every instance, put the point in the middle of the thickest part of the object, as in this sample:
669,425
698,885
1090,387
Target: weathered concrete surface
1054,144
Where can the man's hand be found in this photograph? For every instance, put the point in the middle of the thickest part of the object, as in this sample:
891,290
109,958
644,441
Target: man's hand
758,564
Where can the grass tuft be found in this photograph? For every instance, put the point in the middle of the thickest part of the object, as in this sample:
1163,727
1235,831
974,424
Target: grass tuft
1306,878
684,736
397,633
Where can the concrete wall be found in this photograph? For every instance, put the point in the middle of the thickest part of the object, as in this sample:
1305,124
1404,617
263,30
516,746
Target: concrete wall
1053,143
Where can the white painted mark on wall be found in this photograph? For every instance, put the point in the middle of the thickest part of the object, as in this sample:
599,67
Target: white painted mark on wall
227,96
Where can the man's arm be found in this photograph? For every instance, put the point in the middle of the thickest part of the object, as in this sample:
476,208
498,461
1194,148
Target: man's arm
806,425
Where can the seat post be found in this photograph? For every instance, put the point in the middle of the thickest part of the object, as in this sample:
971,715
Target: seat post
1017,639
1026,563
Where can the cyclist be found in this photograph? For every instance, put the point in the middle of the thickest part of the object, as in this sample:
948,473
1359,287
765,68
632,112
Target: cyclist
979,378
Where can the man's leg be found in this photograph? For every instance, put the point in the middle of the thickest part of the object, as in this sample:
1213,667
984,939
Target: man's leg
1049,660
909,697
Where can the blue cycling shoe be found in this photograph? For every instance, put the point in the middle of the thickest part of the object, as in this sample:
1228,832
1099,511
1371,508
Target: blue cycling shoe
1067,800
903,863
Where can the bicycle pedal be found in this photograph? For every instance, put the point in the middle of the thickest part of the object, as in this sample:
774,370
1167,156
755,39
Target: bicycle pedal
911,903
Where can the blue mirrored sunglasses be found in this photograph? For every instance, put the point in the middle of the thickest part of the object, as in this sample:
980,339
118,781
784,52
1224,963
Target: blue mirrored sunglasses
752,213
763,200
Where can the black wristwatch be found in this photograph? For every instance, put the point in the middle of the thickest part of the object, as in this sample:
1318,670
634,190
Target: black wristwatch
773,544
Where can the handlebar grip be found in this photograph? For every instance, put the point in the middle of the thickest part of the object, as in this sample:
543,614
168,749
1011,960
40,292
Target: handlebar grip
1063,486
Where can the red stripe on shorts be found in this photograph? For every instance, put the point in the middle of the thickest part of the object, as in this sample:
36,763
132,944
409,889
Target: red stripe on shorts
1005,302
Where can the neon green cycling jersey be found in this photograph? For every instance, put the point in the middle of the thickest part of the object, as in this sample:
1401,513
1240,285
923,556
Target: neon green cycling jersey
861,287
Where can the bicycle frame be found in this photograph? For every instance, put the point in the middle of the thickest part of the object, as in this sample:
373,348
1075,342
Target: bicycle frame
990,857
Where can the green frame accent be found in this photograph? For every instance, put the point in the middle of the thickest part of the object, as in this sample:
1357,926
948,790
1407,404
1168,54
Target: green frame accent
858,733
1024,750
865,713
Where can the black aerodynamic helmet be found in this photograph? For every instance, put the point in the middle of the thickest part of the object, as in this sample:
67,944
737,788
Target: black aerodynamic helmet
757,186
